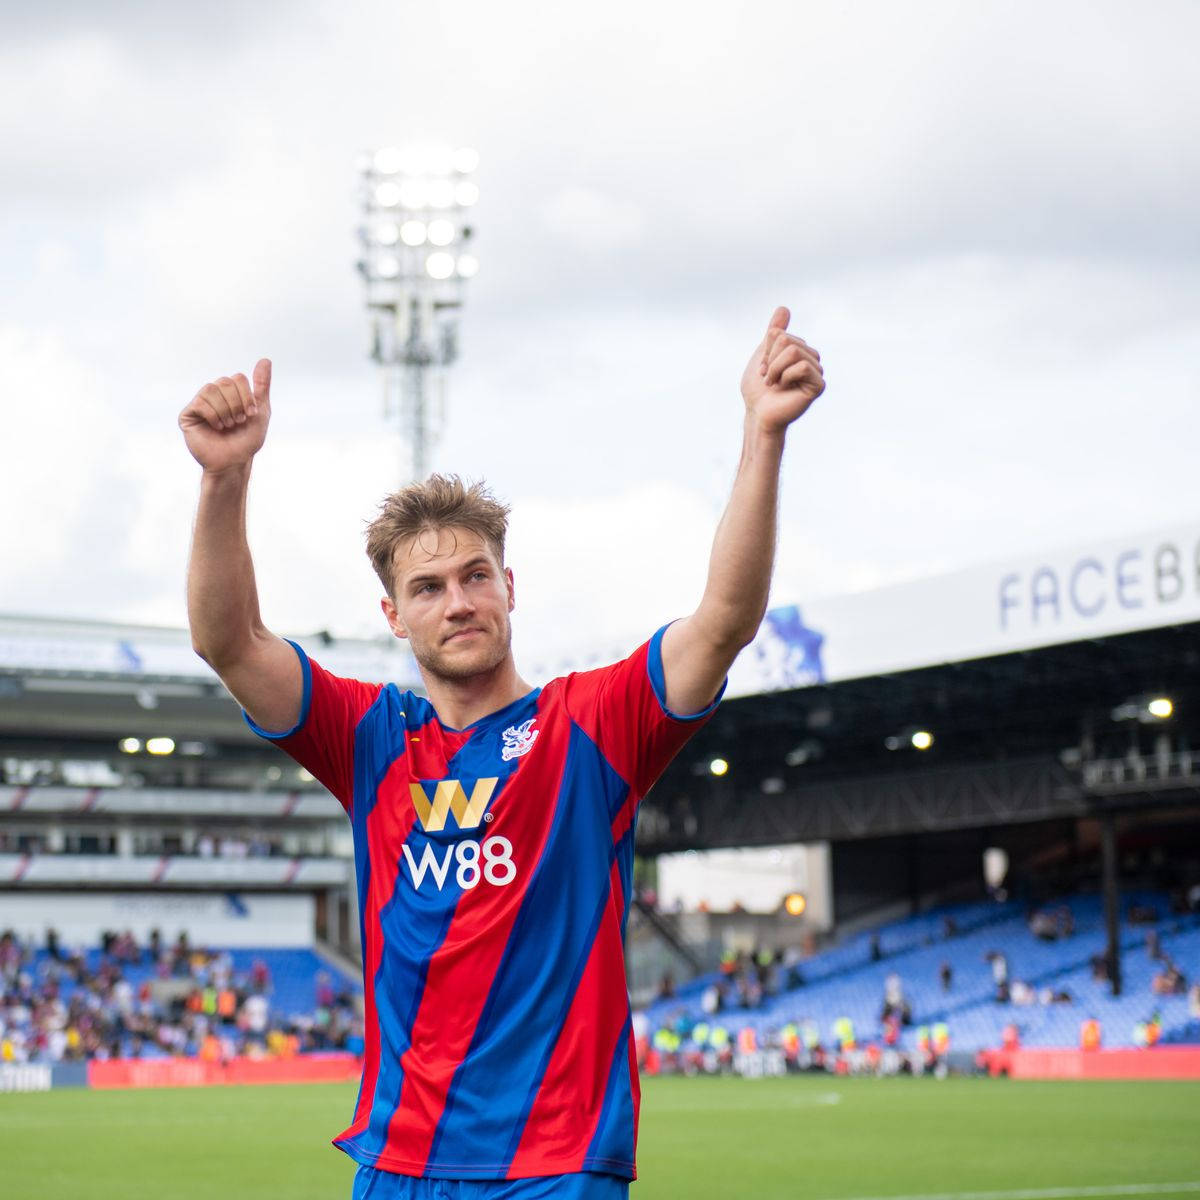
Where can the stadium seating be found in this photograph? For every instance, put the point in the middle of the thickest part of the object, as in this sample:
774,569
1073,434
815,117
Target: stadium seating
843,981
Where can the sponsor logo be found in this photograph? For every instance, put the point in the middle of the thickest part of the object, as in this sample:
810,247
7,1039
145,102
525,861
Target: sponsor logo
490,861
449,797
517,740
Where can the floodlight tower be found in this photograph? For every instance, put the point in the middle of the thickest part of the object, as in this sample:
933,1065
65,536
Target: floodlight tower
416,241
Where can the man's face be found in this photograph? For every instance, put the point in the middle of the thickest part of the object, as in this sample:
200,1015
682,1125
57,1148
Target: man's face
451,600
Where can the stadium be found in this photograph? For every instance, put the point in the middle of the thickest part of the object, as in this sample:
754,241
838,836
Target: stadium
758,752
1013,893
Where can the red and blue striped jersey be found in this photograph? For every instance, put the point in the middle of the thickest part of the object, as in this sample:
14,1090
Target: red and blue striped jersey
494,868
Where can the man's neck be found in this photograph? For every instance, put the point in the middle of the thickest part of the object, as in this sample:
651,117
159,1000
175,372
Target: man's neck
461,702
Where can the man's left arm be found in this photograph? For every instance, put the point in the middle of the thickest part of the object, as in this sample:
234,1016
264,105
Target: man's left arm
781,380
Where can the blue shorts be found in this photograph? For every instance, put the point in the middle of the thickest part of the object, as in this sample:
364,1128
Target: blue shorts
372,1184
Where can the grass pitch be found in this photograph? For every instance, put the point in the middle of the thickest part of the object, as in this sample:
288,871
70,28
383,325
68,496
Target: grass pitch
818,1138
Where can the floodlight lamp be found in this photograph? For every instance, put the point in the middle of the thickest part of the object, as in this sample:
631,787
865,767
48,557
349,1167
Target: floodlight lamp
160,745
466,160
387,266
305,775
441,231
412,233
414,193
387,195
440,265
795,903
441,193
922,739
387,234
468,266
465,194
1160,707
130,745
388,160
718,766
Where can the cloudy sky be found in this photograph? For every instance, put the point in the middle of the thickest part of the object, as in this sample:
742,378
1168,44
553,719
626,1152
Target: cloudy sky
984,216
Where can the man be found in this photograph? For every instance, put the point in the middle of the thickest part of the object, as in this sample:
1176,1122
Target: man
493,821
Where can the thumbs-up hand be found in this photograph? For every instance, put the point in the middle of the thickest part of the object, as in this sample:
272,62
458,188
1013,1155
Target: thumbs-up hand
783,376
225,423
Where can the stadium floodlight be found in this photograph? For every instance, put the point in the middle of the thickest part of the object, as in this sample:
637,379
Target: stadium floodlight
922,739
718,766
130,745
414,204
160,745
795,904
1145,709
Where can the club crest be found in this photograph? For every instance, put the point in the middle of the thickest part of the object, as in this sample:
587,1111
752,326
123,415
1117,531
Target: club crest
517,740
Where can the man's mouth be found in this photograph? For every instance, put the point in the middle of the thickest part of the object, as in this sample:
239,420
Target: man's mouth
461,633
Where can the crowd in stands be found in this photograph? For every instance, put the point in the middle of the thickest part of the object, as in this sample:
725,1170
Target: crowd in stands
133,1001
809,1011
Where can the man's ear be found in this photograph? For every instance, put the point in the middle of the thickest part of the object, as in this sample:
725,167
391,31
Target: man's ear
393,617
512,595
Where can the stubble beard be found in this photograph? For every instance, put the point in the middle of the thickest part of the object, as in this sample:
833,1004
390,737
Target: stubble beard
456,669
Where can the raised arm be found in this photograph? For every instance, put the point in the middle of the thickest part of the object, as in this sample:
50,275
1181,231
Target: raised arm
224,427
781,380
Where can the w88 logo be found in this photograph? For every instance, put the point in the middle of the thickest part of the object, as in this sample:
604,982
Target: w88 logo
490,861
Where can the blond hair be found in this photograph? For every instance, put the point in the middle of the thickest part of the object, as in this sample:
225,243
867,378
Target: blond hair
440,502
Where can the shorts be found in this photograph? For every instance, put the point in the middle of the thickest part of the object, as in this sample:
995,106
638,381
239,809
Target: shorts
370,1183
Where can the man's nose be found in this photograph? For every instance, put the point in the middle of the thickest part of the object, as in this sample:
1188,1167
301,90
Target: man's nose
457,601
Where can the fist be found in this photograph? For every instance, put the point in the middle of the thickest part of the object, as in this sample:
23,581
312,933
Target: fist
226,422
783,376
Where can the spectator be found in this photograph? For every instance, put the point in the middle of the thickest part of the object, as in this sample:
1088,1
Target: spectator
999,974
946,975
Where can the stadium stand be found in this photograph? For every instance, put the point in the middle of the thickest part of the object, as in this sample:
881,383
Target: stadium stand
1051,984
127,1001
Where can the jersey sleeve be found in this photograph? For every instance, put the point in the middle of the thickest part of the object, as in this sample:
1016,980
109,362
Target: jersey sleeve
623,709
322,740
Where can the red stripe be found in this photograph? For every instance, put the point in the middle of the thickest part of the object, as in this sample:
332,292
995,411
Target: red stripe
289,805
292,871
19,798
461,973
22,867
388,827
584,1051
89,800
160,870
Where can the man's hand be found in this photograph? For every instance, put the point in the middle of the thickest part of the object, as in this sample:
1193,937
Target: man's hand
782,378
226,422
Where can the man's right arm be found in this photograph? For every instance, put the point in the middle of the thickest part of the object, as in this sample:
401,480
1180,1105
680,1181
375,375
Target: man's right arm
224,427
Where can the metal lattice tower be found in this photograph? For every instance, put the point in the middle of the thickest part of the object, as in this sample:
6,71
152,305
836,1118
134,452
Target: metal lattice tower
416,239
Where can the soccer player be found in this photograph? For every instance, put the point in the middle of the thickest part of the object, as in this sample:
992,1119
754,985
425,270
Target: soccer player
493,821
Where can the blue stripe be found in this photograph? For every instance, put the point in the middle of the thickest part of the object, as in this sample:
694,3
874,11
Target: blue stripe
658,681
612,1144
547,951
305,699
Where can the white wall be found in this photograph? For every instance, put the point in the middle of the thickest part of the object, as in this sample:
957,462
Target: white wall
757,879
250,919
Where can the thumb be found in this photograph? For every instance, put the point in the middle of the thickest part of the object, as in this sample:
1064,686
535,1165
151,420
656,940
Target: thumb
262,381
779,320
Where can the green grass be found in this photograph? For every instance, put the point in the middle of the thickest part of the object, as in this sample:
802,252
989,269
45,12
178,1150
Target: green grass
817,1138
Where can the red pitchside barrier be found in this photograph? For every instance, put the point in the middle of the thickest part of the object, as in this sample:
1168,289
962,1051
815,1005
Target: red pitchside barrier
333,1067
1158,1062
